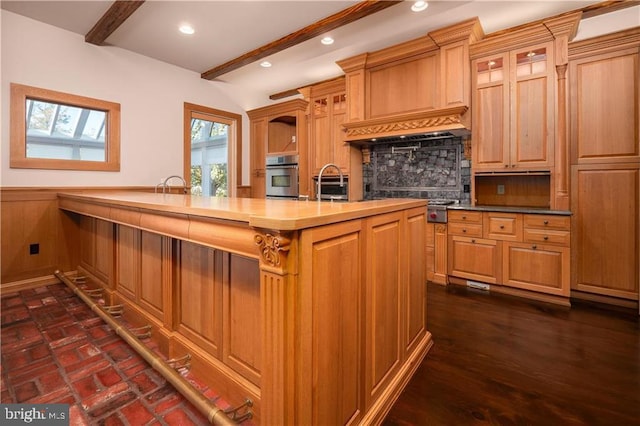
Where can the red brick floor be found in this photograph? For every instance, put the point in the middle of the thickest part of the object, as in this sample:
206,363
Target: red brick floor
56,350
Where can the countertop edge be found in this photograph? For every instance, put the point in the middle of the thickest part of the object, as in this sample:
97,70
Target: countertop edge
527,210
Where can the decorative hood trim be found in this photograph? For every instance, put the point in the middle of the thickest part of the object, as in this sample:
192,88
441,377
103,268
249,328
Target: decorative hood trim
451,120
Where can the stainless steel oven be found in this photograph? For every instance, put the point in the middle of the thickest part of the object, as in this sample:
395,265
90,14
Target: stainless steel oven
282,176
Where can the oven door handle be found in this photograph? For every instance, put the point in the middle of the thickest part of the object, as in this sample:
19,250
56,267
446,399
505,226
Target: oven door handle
288,166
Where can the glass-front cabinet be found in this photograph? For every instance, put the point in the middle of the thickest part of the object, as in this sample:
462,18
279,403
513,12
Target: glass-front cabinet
513,121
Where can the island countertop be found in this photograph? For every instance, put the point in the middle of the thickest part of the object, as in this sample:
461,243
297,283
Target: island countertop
286,215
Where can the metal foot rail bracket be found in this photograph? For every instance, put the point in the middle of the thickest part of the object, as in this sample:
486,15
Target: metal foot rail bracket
246,412
211,411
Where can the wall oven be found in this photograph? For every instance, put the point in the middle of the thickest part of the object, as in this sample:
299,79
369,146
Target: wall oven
282,176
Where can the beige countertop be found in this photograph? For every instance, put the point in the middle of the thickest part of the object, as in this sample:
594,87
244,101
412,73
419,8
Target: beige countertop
259,213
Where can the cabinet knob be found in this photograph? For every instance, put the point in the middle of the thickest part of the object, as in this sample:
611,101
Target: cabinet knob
464,218
534,246
513,165
473,241
506,165
545,238
546,222
501,226
464,230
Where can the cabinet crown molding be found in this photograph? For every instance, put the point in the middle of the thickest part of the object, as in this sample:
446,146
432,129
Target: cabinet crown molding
275,109
537,32
615,41
469,30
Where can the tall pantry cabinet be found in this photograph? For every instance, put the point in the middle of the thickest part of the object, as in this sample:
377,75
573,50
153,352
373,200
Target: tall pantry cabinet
605,166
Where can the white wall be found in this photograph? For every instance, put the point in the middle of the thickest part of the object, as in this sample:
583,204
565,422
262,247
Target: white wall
150,93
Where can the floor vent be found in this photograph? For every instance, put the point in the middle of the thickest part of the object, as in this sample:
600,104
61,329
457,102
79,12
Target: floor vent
477,285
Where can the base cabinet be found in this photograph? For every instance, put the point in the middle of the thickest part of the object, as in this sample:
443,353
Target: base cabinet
536,267
523,251
475,259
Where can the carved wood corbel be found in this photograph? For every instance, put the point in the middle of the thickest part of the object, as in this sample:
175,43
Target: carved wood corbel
273,248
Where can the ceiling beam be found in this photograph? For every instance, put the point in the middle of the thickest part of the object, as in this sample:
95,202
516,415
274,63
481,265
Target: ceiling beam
119,11
346,16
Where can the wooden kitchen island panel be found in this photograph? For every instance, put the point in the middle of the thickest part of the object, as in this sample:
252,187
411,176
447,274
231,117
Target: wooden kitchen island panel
314,311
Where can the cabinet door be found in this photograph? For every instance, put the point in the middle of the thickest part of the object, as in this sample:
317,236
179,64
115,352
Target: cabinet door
604,107
606,230
340,147
532,108
543,268
258,157
491,112
475,259
322,145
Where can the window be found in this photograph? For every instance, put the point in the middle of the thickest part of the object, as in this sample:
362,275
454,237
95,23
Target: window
212,145
55,130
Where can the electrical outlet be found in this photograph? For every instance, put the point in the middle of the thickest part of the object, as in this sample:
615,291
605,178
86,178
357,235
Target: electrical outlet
500,189
34,248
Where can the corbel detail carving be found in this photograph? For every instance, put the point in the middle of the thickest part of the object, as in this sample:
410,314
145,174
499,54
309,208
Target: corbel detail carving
273,248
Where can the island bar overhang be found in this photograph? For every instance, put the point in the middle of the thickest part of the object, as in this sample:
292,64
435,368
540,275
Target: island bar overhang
318,310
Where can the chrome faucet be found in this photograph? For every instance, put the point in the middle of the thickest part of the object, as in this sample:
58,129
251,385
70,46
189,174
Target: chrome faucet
164,184
319,188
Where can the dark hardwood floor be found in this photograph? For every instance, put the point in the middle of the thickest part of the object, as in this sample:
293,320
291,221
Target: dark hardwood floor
501,360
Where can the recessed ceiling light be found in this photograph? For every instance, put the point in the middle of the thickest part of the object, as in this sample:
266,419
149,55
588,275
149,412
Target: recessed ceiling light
186,29
326,40
419,6
265,64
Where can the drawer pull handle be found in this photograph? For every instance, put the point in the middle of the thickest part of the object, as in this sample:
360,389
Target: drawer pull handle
545,238
464,230
534,246
464,218
546,222
473,241
501,226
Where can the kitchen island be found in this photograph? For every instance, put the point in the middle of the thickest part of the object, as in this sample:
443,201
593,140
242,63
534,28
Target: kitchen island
314,311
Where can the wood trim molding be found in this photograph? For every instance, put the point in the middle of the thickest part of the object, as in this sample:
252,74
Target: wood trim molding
275,109
615,41
344,17
469,30
115,16
445,119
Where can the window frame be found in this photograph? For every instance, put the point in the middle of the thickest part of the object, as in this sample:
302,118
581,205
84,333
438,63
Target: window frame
234,149
18,130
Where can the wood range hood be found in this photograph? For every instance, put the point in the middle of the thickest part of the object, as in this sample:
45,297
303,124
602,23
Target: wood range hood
430,124
420,88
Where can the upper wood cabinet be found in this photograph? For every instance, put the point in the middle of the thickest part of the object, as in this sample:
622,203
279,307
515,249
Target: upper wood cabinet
605,85
328,112
278,129
513,109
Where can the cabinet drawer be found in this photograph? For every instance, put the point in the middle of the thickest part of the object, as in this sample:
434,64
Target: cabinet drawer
464,216
465,229
547,236
547,221
503,226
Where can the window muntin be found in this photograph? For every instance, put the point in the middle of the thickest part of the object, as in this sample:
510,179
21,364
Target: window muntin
55,130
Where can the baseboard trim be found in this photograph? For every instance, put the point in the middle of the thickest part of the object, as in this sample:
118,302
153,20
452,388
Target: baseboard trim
31,283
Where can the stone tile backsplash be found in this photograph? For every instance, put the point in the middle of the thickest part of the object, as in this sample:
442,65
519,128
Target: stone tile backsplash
435,169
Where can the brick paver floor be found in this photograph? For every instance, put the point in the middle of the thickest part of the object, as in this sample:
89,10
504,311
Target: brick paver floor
56,350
